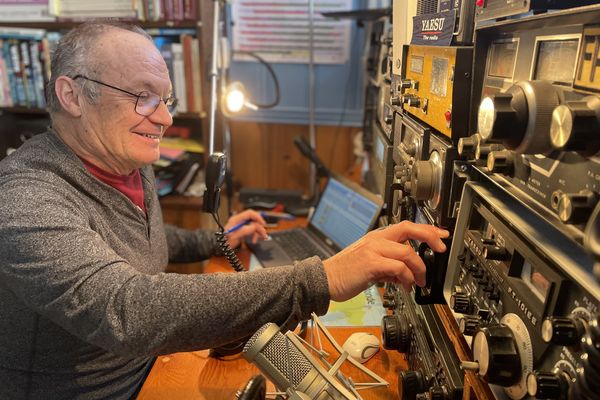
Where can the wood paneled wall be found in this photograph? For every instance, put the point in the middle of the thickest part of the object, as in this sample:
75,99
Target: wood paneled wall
264,155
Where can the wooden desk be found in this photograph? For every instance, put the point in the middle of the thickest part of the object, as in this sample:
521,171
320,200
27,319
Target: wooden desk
198,376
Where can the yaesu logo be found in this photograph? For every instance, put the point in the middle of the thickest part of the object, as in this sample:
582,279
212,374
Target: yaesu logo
433,25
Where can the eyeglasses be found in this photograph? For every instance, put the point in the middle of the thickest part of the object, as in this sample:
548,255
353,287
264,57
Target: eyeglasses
146,103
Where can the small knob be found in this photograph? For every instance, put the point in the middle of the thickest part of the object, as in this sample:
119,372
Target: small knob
461,302
500,161
411,384
483,150
547,385
503,116
396,100
493,252
389,119
466,146
495,350
411,149
469,324
574,126
414,101
396,333
563,331
575,208
404,84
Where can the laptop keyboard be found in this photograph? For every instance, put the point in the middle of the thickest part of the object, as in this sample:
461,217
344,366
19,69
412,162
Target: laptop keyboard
297,245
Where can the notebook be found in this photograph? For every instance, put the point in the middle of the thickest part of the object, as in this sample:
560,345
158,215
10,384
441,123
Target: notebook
344,213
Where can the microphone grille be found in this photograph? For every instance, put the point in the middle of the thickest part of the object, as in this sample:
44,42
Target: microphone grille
283,355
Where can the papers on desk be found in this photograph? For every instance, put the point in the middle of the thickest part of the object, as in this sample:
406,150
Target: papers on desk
366,309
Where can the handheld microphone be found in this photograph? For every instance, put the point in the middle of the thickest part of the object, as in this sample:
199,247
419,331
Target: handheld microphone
310,153
280,359
215,175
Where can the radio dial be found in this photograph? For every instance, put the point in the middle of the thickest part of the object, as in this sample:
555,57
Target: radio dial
548,385
504,354
411,383
575,208
396,333
520,119
426,177
575,125
500,161
461,303
563,331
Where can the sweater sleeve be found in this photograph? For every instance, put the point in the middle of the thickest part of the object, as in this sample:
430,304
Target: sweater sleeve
62,269
190,246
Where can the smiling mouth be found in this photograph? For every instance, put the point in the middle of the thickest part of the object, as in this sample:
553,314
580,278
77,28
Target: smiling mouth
148,135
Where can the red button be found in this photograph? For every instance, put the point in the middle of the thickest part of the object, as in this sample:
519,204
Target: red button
479,3
448,116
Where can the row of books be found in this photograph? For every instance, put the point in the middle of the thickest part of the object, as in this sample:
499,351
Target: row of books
25,66
143,10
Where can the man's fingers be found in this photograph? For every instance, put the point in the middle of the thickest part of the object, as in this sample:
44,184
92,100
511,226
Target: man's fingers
408,256
423,233
395,271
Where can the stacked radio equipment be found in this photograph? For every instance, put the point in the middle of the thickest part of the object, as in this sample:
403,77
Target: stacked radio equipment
520,277
430,100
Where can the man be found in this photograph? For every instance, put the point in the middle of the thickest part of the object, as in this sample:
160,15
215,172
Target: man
84,305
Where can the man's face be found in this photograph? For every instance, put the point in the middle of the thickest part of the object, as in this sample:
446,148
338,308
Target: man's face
119,139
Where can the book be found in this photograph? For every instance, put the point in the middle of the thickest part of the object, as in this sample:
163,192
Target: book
178,78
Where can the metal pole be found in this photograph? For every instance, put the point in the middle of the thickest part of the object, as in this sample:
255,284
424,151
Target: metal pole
213,78
311,98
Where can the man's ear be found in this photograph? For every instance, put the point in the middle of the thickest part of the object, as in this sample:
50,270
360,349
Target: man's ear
68,95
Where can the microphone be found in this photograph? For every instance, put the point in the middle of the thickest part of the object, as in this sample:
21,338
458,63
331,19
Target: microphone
310,153
215,175
292,370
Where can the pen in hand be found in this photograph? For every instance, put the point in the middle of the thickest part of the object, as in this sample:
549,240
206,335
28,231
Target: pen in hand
263,214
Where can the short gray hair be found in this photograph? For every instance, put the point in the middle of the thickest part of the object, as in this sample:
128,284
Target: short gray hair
75,55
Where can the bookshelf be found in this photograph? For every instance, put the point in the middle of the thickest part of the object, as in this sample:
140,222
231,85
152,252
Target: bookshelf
35,119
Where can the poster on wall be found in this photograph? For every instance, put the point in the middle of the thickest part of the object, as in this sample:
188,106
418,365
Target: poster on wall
280,31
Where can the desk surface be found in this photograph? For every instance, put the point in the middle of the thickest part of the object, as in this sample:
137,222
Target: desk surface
199,376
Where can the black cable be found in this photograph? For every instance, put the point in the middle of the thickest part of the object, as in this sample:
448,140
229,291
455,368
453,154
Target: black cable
228,252
273,75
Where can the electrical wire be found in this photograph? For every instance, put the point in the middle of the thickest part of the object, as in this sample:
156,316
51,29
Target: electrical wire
271,72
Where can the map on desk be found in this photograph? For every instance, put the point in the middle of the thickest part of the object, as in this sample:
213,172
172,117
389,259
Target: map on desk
366,309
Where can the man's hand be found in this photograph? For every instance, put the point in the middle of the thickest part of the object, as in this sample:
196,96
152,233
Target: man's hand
381,255
254,225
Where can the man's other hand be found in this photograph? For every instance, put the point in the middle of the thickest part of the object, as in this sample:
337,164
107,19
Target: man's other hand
253,225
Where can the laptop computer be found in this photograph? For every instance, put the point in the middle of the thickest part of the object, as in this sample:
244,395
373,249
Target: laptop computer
344,213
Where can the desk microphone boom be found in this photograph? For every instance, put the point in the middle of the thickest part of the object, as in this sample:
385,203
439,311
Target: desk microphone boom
300,376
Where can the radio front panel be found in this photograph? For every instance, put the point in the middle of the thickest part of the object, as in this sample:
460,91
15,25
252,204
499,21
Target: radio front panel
436,86
524,297
536,111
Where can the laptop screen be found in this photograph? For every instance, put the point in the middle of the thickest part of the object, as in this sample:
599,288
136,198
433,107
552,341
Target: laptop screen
343,214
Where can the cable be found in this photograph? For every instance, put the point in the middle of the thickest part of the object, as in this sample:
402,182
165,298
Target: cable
271,72
228,252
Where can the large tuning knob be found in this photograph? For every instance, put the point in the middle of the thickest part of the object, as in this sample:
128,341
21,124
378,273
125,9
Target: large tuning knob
495,351
427,179
396,333
520,118
575,126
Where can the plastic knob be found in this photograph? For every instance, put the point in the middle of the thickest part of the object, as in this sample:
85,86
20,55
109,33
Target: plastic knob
396,333
424,176
495,349
414,101
461,303
396,100
575,208
547,385
500,161
562,331
405,84
483,150
469,324
466,146
411,383
575,125
503,117
493,252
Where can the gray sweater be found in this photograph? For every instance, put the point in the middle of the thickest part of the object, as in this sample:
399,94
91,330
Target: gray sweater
84,303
